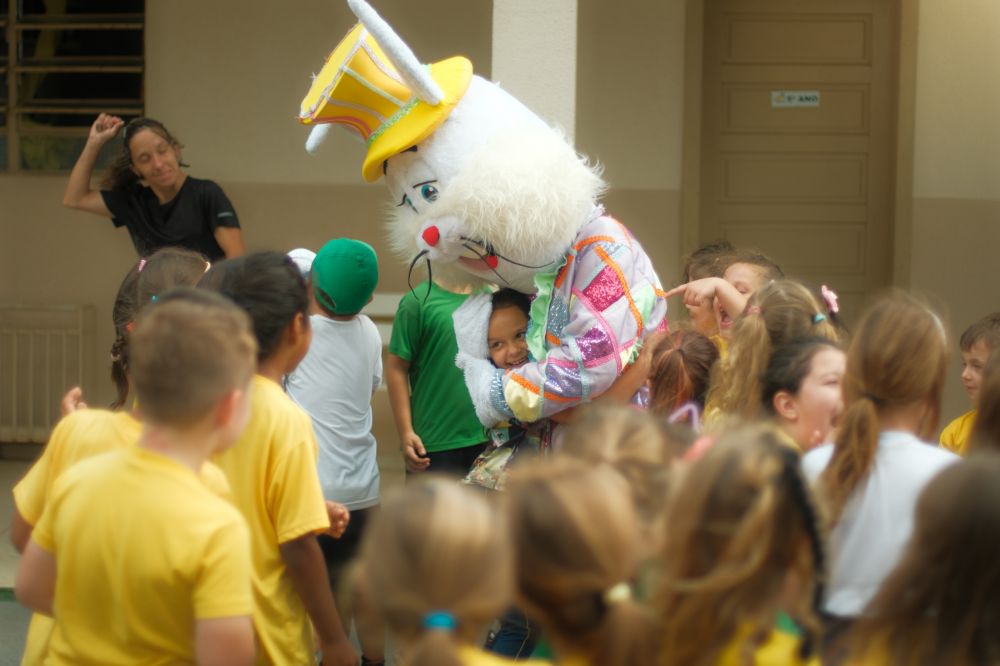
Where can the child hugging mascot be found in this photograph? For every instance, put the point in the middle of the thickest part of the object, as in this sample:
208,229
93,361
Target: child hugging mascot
483,186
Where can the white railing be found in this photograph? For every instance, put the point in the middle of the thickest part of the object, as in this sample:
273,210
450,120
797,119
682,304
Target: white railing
44,351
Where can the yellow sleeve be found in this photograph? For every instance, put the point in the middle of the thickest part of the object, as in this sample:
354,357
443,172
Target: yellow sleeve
294,496
223,588
44,531
31,491
955,435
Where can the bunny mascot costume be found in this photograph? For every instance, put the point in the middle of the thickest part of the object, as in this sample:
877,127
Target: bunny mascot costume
483,186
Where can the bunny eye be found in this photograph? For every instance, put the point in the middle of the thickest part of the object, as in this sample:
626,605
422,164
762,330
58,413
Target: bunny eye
429,192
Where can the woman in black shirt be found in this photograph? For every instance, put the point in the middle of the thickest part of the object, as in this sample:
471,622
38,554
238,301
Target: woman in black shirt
146,191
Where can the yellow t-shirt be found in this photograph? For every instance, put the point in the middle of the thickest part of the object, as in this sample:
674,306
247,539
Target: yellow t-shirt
472,656
721,344
274,483
144,549
955,436
80,435
779,649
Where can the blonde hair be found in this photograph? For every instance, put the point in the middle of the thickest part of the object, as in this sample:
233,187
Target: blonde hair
899,356
638,445
576,538
437,547
939,605
187,352
775,314
739,523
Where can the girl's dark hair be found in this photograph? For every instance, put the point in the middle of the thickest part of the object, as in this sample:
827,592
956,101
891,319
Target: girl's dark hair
269,287
119,175
122,315
169,267
506,297
882,373
789,366
939,605
166,268
680,370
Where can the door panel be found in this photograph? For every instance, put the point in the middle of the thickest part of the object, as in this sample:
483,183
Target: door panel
809,185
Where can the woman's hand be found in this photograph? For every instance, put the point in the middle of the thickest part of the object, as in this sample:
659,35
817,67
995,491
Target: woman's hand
104,129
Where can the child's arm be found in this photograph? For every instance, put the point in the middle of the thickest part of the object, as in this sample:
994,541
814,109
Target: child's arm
398,383
306,566
35,582
224,641
704,290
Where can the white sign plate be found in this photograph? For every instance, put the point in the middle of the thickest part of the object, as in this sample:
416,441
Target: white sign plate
789,99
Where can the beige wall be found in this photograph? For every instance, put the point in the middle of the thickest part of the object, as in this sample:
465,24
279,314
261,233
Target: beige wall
227,77
630,100
956,171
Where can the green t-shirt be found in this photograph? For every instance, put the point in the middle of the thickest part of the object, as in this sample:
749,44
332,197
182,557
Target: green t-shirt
423,333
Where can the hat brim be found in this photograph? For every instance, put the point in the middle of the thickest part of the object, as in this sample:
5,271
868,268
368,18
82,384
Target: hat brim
415,123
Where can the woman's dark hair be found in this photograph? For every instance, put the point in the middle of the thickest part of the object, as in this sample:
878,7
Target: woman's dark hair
166,268
680,370
269,287
789,366
506,297
119,174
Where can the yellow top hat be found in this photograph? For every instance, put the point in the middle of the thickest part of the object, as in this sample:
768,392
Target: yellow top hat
359,88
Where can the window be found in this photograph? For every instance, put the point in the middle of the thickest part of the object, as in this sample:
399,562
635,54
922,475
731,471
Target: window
62,62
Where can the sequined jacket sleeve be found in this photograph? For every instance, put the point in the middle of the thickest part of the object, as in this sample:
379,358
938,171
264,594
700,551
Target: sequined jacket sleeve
587,324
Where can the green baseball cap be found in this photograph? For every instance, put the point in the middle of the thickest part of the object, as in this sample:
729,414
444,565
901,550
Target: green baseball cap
344,275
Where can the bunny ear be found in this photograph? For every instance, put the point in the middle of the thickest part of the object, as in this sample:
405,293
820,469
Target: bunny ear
414,74
316,137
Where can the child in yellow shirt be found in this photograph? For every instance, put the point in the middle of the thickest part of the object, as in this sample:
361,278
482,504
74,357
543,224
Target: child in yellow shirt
977,344
152,564
272,470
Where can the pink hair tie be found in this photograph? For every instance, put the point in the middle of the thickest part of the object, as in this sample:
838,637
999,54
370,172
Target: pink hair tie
832,304
753,309
142,264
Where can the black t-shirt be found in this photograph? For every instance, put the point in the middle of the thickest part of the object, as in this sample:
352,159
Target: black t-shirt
188,220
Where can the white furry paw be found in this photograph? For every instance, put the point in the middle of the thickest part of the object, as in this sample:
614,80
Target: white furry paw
472,322
483,381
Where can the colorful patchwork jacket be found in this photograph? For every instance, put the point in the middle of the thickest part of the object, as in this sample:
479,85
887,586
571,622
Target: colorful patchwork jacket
588,321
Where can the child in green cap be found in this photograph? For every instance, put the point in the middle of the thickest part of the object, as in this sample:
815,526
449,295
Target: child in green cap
334,384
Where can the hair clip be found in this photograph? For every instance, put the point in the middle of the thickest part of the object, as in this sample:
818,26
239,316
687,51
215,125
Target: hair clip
618,593
129,326
142,264
831,298
153,298
440,620
753,309
818,317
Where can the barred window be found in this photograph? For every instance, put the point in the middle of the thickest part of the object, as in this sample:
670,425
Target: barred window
62,62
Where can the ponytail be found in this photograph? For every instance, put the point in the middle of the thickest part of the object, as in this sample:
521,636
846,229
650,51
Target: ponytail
627,634
736,389
853,453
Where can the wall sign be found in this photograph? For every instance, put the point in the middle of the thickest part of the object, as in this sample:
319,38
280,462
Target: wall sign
788,99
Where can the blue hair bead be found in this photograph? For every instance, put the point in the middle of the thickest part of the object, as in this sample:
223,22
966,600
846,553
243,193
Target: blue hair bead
440,620
818,317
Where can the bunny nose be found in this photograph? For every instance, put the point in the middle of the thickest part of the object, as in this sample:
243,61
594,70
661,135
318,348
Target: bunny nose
431,235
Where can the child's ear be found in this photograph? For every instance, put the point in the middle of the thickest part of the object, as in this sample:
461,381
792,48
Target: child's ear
785,406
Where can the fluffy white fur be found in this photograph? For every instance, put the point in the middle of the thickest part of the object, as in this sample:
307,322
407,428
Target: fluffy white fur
505,177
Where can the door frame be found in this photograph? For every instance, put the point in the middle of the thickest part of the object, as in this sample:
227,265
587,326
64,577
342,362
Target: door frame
903,73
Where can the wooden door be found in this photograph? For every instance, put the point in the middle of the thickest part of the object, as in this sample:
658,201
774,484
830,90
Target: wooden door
797,137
